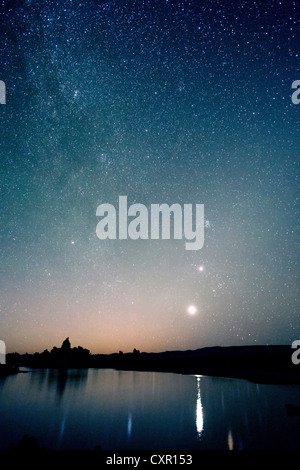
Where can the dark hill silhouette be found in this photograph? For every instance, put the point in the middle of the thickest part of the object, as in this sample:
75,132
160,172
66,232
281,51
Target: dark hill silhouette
265,364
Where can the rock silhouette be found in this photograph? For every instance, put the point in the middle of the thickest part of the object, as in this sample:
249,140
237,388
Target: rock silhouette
63,357
66,345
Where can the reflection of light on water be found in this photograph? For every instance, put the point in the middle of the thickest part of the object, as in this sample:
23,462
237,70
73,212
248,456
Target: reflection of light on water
61,431
129,425
230,440
199,409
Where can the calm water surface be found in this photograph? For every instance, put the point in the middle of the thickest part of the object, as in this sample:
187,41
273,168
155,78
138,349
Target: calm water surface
82,409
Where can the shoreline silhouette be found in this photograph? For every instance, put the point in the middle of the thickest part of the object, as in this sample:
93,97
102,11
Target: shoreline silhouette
260,364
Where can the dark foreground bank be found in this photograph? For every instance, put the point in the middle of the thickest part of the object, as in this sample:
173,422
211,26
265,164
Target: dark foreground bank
261,364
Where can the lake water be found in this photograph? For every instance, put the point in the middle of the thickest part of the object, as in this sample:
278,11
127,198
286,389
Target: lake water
82,409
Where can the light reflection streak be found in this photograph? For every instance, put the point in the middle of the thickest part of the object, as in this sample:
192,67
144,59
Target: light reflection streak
61,431
230,440
199,409
129,425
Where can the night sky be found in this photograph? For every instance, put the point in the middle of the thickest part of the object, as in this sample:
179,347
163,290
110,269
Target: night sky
161,101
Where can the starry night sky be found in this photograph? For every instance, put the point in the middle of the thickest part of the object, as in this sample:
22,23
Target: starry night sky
162,101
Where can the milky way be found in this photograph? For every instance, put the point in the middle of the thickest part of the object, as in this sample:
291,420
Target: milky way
184,102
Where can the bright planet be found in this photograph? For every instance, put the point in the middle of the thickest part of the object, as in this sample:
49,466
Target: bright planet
192,309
